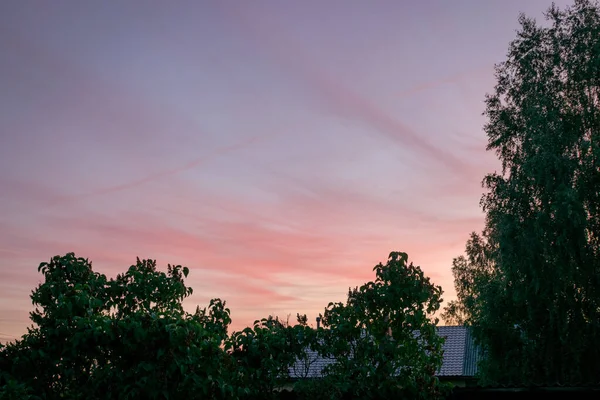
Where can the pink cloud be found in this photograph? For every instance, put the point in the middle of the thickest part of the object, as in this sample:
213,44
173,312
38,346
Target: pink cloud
315,230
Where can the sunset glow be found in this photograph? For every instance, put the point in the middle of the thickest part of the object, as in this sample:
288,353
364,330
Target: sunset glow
278,149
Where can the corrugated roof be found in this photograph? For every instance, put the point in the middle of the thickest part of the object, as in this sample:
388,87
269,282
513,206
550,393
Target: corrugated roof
310,367
454,350
460,356
472,356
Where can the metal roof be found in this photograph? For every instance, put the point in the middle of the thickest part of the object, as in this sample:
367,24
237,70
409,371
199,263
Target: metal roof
460,356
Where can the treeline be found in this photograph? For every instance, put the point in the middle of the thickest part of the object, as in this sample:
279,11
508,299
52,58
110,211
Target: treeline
130,338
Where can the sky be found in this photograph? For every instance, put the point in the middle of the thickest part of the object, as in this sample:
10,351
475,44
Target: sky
278,149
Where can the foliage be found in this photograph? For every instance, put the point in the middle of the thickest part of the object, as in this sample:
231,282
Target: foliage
537,317
12,389
129,337
382,339
265,353
308,343
126,337
471,274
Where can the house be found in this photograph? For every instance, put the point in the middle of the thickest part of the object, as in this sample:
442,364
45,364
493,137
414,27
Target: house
459,365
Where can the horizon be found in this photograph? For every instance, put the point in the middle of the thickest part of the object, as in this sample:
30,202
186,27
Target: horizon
278,151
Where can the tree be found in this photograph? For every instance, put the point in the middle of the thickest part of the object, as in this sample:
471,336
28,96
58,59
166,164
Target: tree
383,339
127,337
309,343
537,319
265,353
471,275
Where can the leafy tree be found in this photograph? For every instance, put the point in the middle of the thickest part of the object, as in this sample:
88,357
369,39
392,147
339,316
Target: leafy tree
471,275
126,337
60,352
383,339
265,353
537,318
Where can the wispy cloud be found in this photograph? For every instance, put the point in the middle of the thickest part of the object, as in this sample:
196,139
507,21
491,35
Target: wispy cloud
215,153
340,99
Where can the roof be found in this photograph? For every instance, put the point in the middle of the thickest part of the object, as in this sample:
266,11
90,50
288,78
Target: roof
311,367
460,356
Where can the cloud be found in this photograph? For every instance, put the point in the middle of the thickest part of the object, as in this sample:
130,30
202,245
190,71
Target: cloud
454,78
340,99
308,225
243,250
173,171
131,122
246,259
324,203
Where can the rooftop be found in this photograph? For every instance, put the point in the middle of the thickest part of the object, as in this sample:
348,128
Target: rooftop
460,356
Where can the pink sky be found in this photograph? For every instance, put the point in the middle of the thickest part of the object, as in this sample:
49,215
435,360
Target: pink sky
278,149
